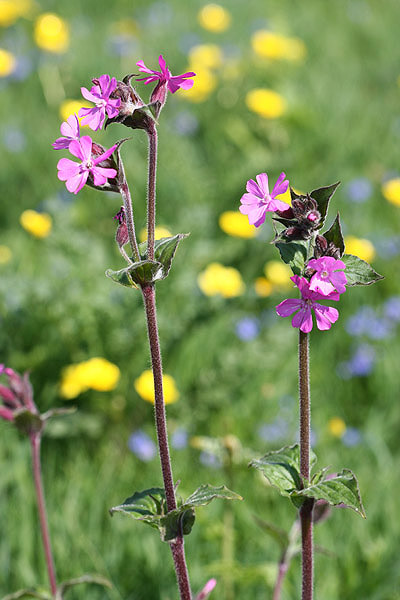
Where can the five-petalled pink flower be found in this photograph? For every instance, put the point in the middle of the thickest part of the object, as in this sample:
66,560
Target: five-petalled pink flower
75,174
258,201
164,76
324,315
100,95
328,275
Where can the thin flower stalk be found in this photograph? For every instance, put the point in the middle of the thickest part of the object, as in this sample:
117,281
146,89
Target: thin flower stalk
151,192
126,197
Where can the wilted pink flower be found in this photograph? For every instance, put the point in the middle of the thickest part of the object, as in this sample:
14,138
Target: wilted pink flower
324,315
100,95
70,132
258,201
165,77
329,275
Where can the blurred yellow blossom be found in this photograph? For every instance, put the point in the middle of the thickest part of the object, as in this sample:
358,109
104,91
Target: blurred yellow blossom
362,248
278,273
275,46
5,255
159,232
286,197
204,85
11,10
219,280
51,33
263,287
37,224
337,427
206,56
391,191
144,385
235,224
266,103
96,373
71,107
214,17
7,63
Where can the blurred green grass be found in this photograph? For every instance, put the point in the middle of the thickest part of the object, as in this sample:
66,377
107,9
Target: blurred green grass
57,308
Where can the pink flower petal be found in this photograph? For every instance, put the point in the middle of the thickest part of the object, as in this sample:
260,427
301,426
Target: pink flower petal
288,307
67,168
76,183
303,319
253,188
257,216
325,316
322,286
88,96
105,155
249,199
262,181
279,187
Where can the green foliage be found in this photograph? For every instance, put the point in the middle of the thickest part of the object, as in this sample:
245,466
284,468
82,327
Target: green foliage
322,196
334,234
294,254
359,272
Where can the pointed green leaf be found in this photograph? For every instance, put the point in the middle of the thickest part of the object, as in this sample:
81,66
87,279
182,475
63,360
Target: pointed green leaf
278,534
341,489
164,251
179,521
281,468
359,272
294,254
334,234
122,276
28,593
142,272
206,493
147,506
322,197
66,585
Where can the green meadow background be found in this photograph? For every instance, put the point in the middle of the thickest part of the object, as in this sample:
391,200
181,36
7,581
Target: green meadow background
57,307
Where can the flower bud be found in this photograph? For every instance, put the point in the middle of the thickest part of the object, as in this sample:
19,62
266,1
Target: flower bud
122,236
109,163
295,233
130,109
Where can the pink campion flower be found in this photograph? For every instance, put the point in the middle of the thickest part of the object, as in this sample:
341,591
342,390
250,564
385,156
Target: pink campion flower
258,201
75,174
324,315
100,95
70,131
165,77
328,275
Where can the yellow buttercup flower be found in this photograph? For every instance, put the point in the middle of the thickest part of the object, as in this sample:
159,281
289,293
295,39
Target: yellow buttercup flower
266,103
11,10
219,280
263,287
204,85
96,373
275,46
7,63
37,224
51,33
337,427
159,232
5,255
144,385
71,107
214,17
278,273
235,224
206,56
391,191
362,248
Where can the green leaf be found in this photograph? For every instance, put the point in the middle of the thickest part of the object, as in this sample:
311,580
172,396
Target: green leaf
58,412
334,234
164,250
206,493
294,254
142,272
179,521
66,585
281,469
322,197
359,272
28,593
147,506
341,489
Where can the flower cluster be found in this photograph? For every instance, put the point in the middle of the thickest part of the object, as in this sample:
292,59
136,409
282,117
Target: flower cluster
17,396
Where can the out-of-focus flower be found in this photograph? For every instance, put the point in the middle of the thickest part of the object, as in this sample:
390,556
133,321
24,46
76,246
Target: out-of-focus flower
278,274
325,315
142,445
99,94
214,17
179,438
76,174
266,103
362,361
70,107
328,275
96,373
206,82
336,427
185,123
8,63
5,255
392,308
219,280
351,437
210,460
359,190
258,201
275,46
272,432
206,56
362,248
18,395
159,232
247,328
11,10
263,287
164,76
70,131
37,224
391,191
51,33
388,247
207,589
236,224
144,385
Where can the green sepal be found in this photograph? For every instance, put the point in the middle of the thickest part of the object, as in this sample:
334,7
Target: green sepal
293,254
322,197
28,593
334,234
66,585
359,272
341,489
27,421
58,412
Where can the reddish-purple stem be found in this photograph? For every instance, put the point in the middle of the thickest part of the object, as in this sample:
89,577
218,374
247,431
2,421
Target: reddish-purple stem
37,475
126,196
151,191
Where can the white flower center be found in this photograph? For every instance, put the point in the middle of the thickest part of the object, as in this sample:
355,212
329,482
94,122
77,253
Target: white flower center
324,274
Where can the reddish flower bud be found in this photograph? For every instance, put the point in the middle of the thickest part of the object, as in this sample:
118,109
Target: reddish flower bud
133,112
111,185
122,236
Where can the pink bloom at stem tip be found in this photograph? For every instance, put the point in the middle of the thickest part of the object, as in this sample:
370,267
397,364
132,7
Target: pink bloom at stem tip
100,95
324,315
258,201
329,275
70,131
174,82
75,174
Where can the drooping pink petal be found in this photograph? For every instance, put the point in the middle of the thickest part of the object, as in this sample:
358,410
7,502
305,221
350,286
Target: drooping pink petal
288,307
